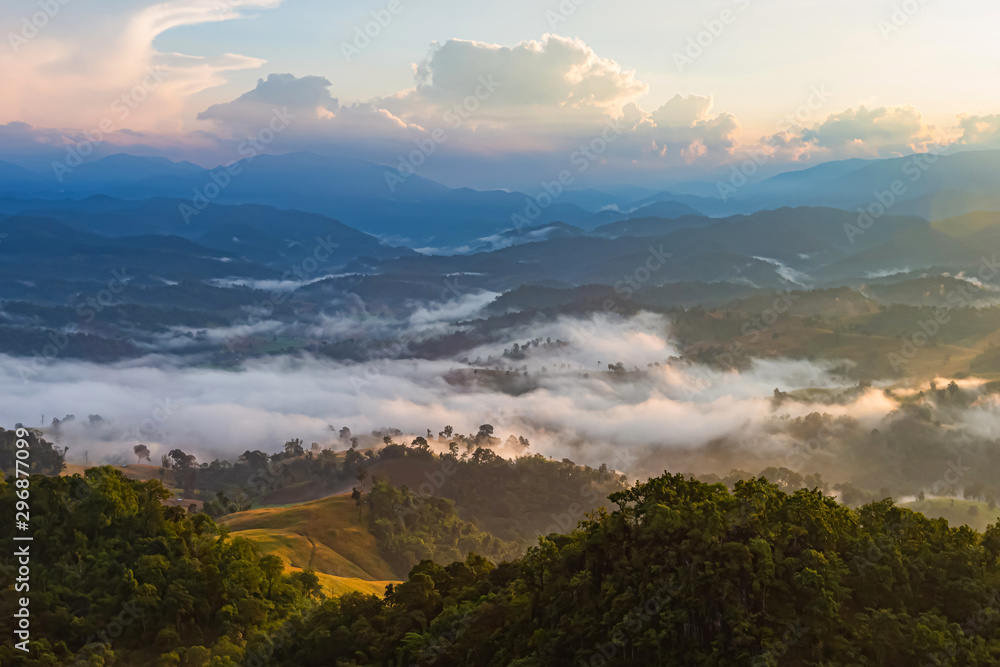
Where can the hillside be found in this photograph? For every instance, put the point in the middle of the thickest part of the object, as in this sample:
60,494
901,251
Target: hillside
329,536
687,573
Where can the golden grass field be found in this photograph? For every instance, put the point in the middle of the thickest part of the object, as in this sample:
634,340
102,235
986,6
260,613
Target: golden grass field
326,535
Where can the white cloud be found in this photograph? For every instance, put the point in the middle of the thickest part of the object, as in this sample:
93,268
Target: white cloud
677,410
682,111
66,76
979,130
864,132
554,72
308,97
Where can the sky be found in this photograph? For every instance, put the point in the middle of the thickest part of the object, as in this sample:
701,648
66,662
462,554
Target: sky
502,94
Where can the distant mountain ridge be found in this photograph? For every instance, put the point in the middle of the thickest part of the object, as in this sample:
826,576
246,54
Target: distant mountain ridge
419,212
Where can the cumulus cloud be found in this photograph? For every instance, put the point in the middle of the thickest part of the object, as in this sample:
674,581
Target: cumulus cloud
533,102
527,106
979,130
682,111
308,96
864,132
482,94
552,72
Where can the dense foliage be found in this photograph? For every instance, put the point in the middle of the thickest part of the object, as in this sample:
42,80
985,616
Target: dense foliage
43,458
681,573
687,573
118,578
411,528
514,499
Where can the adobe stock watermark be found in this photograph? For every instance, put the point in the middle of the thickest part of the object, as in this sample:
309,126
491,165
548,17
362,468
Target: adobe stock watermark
365,35
121,108
915,167
979,621
928,329
93,306
563,12
303,271
248,149
87,311
902,13
743,172
260,653
625,289
581,158
131,612
793,634
802,452
753,329
632,625
428,146
33,24
374,368
699,43
227,9
435,482
150,425
633,282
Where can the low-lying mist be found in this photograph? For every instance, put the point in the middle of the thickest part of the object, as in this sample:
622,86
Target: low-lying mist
551,383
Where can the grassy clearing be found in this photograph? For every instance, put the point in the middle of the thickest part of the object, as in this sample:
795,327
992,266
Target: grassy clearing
327,535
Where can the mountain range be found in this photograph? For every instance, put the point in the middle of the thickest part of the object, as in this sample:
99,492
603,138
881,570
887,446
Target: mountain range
418,212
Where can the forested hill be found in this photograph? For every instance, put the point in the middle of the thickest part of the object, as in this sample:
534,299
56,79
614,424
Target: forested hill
679,573
686,573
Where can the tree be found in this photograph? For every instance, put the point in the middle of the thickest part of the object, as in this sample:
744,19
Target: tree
44,457
160,580
255,460
293,448
485,432
753,576
273,568
352,460
141,452
181,460
186,466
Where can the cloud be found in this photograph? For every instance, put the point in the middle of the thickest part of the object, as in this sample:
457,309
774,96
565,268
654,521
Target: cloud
554,72
665,414
864,132
66,76
308,97
568,410
682,111
528,106
979,131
